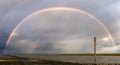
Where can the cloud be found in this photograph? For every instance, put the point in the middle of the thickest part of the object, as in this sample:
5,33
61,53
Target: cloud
73,46
7,6
107,49
59,32
114,25
53,35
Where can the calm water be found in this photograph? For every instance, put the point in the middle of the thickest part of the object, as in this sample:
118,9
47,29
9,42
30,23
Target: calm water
80,59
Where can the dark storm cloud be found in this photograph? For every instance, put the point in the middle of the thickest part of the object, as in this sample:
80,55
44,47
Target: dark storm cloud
5,8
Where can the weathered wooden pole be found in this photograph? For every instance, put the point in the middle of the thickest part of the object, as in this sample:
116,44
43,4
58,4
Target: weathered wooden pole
95,49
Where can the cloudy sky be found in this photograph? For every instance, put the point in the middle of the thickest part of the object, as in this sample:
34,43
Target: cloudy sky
59,26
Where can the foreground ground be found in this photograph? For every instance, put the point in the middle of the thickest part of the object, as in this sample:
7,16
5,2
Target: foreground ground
63,59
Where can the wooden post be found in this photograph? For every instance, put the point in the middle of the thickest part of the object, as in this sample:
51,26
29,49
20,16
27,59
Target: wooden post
95,49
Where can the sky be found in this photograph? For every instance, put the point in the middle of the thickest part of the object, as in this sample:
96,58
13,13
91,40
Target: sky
59,31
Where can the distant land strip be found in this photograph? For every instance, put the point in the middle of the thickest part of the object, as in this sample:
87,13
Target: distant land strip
84,54
101,54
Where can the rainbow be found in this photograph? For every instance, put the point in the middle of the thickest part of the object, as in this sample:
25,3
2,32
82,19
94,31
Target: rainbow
58,8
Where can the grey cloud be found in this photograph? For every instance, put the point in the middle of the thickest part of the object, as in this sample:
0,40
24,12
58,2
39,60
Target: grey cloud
58,33
51,34
6,6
